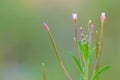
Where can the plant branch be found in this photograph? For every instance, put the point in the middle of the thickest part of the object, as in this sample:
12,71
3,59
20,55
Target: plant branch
58,56
76,38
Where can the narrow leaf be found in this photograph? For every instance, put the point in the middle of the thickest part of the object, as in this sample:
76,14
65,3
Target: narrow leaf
86,51
79,65
92,51
100,72
91,54
80,47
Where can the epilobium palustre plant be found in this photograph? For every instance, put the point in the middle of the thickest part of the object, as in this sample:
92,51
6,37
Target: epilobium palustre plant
84,50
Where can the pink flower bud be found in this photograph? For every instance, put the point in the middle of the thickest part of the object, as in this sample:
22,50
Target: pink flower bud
103,17
46,27
74,16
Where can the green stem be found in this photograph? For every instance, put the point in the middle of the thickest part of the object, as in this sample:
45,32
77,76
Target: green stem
58,56
97,45
87,69
97,54
100,48
44,71
101,39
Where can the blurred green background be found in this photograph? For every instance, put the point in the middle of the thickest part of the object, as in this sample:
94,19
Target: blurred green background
24,44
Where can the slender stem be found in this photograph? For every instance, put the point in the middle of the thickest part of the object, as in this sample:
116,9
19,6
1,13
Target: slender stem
86,65
97,53
98,50
97,45
89,33
101,39
58,56
76,37
88,29
44,71
93,75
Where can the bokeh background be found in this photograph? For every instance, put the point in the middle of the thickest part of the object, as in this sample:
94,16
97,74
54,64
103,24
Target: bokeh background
24,44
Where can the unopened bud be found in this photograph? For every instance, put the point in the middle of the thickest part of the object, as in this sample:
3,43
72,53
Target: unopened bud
74,16
103,17
46,27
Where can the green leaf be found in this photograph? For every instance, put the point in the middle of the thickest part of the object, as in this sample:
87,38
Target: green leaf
91,54
79,65
86,51
92,51
80,47
100,72
82,77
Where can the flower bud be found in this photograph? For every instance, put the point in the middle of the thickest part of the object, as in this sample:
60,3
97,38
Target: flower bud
103,17
46,27
74,16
